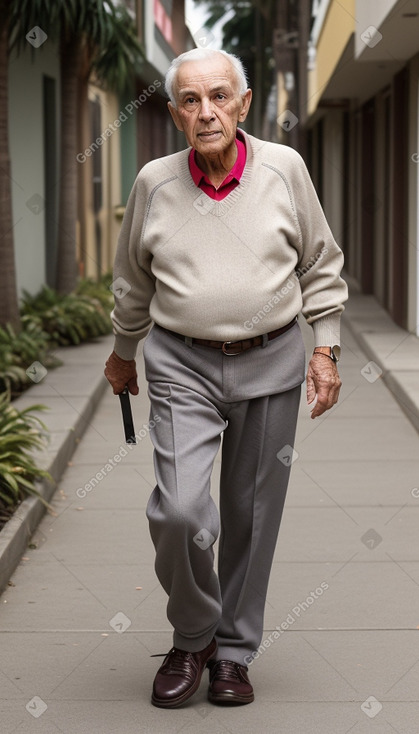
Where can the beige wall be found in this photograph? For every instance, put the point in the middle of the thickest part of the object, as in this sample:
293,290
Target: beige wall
26,143
370,13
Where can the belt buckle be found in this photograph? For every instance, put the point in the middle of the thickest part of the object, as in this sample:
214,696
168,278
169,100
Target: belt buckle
229,354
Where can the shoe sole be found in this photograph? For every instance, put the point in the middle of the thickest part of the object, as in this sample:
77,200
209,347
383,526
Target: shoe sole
230,698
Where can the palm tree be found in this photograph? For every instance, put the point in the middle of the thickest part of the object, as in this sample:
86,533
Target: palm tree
247,32
104,41
9,309
92,34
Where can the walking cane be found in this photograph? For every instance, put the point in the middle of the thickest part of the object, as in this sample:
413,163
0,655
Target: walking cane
127,416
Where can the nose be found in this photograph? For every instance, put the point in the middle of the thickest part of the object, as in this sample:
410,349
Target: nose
206,112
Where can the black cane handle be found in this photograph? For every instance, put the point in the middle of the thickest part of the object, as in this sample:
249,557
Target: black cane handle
127,416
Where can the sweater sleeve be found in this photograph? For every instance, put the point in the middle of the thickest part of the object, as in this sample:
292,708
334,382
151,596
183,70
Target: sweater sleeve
320,261
133,285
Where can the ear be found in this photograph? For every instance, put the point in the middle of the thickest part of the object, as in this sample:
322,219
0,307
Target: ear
175,116
246,100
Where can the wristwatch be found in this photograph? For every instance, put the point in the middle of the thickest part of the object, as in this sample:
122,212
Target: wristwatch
334,352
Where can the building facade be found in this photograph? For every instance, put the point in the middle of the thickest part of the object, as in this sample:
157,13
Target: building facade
145,131
363,142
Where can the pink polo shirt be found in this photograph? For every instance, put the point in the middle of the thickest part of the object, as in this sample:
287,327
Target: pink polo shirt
231,180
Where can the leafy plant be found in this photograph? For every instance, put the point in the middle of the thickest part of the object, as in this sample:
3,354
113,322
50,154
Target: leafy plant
98,289
50,319
21,433
67,319
13,379
18,350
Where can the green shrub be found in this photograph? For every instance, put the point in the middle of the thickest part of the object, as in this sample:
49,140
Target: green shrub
20,434
67,319
13,379
19,350
30,343
98,289
50,320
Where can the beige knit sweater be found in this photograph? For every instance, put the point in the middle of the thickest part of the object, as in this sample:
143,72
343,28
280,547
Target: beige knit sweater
230,269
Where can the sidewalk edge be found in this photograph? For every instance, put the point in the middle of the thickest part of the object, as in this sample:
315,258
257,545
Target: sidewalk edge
398,381
17,532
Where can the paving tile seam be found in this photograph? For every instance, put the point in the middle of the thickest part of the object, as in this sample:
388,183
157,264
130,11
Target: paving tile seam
332,702
103,461
127,508
413,506
330,506
304,562
93,564
339,461
365,418
336,563
328,562
296,701
346,629
143,631
404,370
358,506
85,631
95,463
363,461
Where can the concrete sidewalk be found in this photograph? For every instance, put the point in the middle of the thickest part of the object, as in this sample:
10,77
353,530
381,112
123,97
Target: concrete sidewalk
341,653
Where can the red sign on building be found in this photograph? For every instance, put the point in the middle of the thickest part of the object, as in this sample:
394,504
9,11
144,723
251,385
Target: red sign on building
163,21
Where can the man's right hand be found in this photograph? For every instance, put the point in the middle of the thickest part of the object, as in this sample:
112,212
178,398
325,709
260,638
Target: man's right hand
120,372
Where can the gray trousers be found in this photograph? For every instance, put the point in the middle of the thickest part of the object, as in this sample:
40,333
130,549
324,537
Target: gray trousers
252,400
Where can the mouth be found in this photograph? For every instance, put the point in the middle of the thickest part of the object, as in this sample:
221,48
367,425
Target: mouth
210,134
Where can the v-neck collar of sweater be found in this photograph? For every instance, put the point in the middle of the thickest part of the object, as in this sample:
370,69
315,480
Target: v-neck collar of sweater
219,208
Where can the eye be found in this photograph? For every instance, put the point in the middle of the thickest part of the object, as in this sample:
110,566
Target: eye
189,100
220,96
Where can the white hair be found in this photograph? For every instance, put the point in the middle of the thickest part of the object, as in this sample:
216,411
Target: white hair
197,54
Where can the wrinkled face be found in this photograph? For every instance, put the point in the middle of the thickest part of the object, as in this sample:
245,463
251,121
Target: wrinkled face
209,105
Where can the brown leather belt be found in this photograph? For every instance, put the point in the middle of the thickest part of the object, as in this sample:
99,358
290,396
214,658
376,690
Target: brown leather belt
238,346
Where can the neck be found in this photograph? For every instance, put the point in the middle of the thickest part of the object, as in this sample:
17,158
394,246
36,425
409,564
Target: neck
217,167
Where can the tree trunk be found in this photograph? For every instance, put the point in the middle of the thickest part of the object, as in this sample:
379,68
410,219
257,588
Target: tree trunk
9,309
71,57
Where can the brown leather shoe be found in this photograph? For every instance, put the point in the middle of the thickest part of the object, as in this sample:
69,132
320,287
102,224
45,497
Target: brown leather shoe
180,675
229,683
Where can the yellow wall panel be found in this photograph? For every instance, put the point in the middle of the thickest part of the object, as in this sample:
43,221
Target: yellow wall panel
337,29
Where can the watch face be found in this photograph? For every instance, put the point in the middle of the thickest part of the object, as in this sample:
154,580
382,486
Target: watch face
336,352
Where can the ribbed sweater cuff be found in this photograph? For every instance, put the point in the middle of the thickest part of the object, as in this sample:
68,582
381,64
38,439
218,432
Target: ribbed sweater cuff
125,346
327,331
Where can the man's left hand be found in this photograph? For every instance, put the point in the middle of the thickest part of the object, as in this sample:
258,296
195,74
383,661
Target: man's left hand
322,380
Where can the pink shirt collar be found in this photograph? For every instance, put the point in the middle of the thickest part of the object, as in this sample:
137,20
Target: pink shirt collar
235,174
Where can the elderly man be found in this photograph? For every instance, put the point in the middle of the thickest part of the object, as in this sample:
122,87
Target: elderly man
222,245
